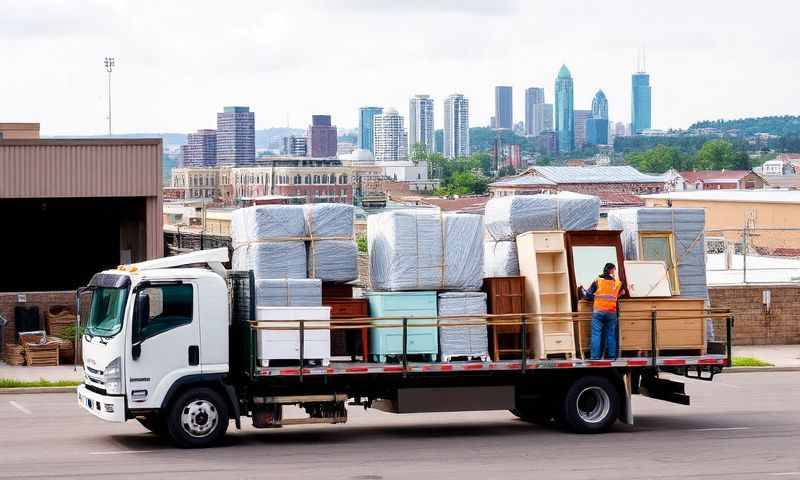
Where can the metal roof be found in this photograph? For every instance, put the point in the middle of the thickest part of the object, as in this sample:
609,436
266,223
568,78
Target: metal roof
522,180
610,174
725,195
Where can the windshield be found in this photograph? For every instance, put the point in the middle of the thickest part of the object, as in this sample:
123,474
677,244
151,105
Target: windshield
107,311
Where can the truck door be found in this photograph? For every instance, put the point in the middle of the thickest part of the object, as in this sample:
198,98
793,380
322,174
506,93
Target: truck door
165,341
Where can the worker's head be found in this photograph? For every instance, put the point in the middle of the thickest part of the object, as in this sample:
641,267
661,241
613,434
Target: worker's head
610,269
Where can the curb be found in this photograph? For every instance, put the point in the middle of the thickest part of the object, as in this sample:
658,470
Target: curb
28,390
760,369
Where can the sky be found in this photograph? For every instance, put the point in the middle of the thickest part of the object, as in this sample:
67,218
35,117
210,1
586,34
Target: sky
180,62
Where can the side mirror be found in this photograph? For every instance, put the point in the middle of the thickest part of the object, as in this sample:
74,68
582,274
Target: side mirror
141,315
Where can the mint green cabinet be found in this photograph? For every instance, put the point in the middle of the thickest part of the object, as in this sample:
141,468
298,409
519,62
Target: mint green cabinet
419,308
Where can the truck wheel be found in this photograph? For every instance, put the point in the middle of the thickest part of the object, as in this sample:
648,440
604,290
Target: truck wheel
153,423
197,419
590,405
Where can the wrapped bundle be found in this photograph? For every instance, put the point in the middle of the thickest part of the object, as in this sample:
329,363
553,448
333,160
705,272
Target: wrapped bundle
289,292
500,258
508,217
253,228
463,340
425,250
332,260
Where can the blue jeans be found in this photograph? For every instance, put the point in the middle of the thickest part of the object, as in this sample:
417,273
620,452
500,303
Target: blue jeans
604,327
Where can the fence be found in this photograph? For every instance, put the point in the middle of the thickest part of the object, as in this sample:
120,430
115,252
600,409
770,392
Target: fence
176,242
752,255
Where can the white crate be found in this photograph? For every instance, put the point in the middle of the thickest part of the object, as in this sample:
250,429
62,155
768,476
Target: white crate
285,344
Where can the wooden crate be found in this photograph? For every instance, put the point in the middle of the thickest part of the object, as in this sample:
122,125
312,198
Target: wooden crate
58,318
14,354
44,355
505,295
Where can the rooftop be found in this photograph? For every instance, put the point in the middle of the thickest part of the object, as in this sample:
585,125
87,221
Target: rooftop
714,175
522,180
757,196
604,174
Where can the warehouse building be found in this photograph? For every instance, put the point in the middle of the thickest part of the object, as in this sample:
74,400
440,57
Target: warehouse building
74,207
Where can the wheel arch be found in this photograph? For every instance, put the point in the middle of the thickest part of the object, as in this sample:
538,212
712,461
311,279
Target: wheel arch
214,381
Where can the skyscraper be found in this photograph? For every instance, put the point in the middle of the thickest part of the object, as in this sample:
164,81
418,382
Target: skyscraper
365,127
503,108
533,96
321,137
544,118
581,117
456,126
200,149
295,146
236,136
597,127
390,136
564,118
420,122
640,102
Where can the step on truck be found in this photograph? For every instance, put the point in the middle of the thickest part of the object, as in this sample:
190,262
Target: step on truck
171,343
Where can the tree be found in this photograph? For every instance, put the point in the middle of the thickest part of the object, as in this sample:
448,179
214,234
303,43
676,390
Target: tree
720,154
657,160
418,152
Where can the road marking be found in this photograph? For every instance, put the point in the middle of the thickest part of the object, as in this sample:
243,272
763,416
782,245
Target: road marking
120,452
20,407
718,429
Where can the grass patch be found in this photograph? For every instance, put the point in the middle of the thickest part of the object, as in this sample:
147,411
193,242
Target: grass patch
13,383
750,362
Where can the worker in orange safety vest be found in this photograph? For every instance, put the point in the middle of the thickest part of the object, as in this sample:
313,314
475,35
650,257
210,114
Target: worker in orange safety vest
605,292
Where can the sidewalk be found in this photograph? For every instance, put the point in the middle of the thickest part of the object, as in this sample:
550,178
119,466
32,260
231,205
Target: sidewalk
783,356
61,372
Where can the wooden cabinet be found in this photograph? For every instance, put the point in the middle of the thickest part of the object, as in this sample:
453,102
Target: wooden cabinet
350,341
505,295
680,324
543,263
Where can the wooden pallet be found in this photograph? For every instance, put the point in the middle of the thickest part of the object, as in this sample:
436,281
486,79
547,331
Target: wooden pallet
14,354
58,318
45,355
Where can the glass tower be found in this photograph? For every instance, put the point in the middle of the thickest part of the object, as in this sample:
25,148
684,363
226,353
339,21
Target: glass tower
366,127
564,115
503,108
640,102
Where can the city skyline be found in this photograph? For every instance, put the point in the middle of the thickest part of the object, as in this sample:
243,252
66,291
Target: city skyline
170,73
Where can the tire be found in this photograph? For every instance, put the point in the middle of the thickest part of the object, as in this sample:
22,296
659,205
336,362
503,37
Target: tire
198,418
153,423
590,405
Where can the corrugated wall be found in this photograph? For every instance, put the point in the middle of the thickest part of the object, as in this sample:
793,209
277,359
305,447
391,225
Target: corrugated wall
80,168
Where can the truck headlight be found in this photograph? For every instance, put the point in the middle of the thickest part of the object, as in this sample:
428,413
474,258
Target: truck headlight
113,377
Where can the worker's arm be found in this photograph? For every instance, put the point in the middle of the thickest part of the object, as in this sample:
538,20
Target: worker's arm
589,294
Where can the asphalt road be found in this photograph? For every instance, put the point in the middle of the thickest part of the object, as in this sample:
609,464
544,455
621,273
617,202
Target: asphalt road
741,426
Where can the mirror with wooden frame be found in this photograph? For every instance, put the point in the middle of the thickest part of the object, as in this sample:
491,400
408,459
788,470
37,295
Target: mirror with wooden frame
661,246
588,251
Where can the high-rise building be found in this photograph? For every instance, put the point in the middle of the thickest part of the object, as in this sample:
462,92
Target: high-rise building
295,146
619,129
600,105
236,136
534,96
365,126
389,136
640,102
543,118
564,118
321,137
456,126
597,127
503,108
581,117
200,149
420,122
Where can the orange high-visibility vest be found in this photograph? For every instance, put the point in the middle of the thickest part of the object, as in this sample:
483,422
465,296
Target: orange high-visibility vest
605,297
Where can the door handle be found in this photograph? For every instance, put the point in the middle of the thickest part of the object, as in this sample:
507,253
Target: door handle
194,355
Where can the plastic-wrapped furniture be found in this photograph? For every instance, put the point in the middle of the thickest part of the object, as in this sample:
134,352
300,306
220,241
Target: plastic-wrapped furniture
387,341
289,292
468,341
275,345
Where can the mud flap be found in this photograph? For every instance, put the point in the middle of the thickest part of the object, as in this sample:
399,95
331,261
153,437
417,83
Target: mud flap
626,412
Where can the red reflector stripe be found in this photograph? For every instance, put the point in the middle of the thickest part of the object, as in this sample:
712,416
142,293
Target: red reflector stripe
356,369
330,370
673,361
473,366
514,365
710,361
600,363
445,368
638,363
290,371
392,369
564,365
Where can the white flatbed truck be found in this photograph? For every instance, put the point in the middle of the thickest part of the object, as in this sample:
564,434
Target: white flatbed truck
171,343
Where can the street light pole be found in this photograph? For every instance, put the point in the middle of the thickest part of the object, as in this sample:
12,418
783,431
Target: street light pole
109,64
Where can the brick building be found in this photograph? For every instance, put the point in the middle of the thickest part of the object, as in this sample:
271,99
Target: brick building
723,179
591,180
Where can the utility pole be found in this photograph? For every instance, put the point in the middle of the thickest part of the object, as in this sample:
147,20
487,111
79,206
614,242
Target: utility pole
109,64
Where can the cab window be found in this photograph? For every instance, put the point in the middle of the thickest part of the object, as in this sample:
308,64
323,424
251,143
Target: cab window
170,307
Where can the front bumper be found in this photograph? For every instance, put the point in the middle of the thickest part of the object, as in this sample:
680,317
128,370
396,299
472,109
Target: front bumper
109,408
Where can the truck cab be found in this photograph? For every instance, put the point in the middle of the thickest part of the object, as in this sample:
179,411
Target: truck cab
153,329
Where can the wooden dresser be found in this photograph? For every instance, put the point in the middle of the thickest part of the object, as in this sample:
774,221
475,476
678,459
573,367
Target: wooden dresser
350,341
505,295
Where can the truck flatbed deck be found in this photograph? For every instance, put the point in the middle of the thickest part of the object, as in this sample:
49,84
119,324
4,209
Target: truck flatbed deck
369,368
